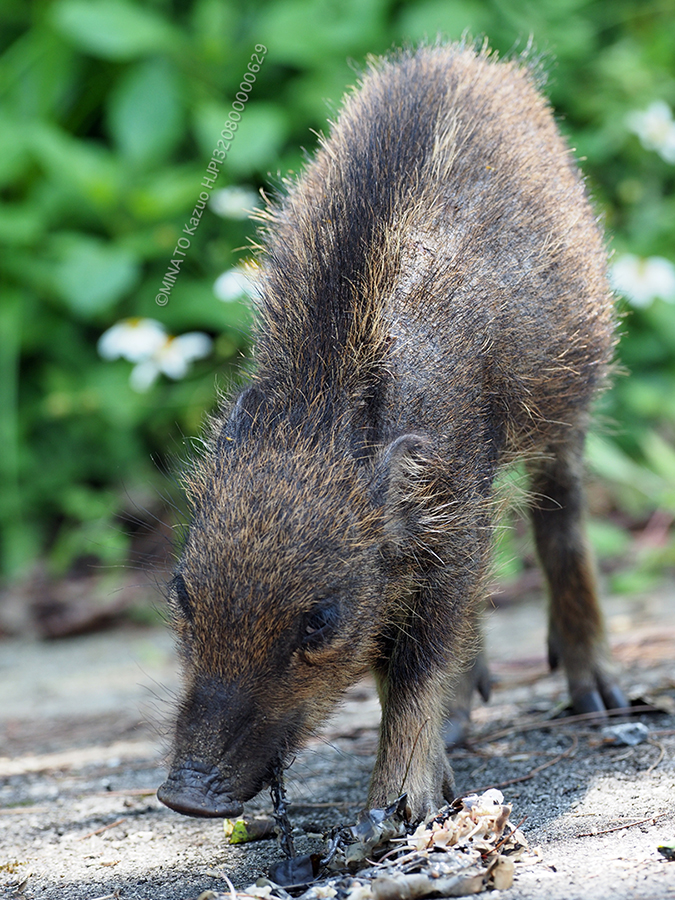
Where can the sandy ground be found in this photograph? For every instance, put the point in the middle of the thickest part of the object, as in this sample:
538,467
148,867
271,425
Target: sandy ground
81,754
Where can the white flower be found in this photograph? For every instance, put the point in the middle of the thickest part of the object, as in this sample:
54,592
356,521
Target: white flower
146,343
234,202
655,128
132,339
173,358
237,283
642,280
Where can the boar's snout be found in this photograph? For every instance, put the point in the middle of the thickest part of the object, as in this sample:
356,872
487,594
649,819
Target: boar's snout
226,750
197,789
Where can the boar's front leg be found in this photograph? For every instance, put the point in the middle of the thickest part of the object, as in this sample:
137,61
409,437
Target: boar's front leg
416,674
576,629
411,754
436,578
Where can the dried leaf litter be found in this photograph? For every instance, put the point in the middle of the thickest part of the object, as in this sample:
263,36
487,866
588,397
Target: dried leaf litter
466,848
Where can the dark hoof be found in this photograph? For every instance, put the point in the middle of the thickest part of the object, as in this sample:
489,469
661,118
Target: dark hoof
615,698
606,697
455,731
484,683
589,702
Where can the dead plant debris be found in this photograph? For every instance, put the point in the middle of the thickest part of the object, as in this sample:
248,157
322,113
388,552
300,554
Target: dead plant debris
466,848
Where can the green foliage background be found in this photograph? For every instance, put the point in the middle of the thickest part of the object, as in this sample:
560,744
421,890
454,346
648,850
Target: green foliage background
109,111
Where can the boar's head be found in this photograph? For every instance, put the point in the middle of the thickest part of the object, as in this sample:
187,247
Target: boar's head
278,603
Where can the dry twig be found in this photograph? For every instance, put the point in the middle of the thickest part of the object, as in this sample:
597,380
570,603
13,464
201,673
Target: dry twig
570,750
99,830
652,819
129,792
662,753
505,838
18,810
524,725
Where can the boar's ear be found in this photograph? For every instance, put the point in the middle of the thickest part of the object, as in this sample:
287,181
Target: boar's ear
238,424
399,464
398,487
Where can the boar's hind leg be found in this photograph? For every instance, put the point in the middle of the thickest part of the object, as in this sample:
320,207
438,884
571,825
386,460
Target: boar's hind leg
576,630
475,677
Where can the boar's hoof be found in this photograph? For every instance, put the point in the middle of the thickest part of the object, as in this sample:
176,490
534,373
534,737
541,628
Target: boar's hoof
610,697
196,790
615,698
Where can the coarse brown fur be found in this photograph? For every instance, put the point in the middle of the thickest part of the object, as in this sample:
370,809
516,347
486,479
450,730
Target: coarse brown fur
434,305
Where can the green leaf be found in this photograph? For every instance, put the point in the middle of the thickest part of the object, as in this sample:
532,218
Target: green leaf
102,537
661,316
91,275
607,539
84,503
661,457
113,29
88,168
649,396
37,73
633,581
122,408
20,223
610,462
214,27
257,141
308,31
427,19
145,111
208,120
167,193
19,541
11,326
14,157
193,305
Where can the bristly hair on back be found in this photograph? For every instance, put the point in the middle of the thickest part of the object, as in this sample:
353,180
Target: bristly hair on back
331,245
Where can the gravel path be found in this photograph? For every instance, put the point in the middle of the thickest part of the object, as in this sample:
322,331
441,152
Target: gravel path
80,759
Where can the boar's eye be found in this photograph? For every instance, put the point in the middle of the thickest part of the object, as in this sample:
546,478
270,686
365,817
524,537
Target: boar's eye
181,593
320,625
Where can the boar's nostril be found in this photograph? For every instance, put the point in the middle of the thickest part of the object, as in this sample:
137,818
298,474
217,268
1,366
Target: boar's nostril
192,803
195,790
